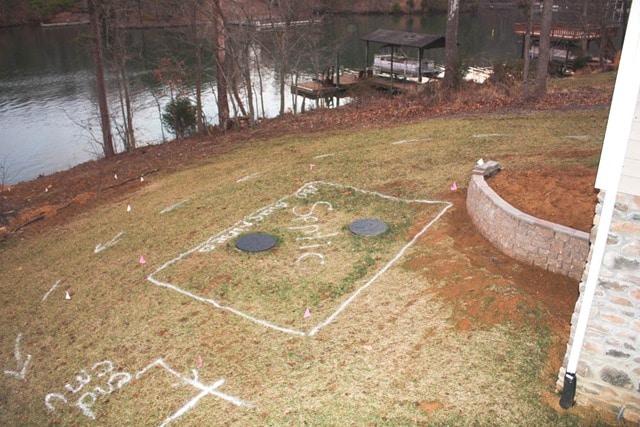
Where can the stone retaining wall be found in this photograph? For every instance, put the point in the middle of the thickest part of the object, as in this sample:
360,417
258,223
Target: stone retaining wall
553,247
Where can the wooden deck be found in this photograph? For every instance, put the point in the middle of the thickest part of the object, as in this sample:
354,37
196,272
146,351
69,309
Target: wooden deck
569,32
318,89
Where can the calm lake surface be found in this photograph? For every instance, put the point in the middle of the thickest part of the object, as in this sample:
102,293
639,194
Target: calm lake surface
48,107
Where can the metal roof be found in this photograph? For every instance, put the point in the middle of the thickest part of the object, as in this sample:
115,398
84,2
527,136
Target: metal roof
403,38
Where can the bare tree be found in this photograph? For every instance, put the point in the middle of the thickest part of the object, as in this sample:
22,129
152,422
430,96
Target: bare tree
193,10
528,4
105,122
220,56
451,45
116,18
544,52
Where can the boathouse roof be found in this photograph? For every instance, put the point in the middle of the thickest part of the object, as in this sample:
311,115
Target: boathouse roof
403,38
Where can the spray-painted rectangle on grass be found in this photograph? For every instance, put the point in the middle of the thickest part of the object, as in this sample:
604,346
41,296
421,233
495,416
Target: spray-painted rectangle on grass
317,267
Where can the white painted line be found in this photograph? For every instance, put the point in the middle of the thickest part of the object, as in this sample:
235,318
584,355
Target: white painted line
204,390
323,156
22,373
248,177
409,141
308,254
173,207
224,307
55,285
190,404
101,247
489,135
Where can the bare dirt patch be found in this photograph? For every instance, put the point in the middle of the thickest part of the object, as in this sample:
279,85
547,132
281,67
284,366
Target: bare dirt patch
564,196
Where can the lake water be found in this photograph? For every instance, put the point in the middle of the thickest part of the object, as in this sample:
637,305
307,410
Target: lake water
48,107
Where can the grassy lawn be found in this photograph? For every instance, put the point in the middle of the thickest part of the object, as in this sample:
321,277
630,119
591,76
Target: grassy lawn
187,336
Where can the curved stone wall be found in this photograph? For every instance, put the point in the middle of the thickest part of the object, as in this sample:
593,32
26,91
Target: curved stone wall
521,236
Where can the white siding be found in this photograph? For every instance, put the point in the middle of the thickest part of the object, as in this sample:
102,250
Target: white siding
623,129
630,179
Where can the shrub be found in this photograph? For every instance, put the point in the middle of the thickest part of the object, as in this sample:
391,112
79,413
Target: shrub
507,72
179,117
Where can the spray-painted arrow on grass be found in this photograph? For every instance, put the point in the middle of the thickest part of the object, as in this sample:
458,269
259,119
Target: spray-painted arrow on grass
16,352
101,247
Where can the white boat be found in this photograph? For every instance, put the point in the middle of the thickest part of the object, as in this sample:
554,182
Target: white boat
403,65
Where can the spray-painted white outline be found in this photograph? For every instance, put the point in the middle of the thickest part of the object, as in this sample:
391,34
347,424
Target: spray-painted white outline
173,207
248,177
259,215
409,141
22,373
49,396
308,254
101,247
55,285
117,380
323,156
204,390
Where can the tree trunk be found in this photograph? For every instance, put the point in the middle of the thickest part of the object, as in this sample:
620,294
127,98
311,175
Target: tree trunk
105,122
131,136
542,67
451,45
283,72
220,55
527,46
198,71
246,67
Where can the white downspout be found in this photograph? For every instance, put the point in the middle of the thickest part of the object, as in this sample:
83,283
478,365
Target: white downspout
621,114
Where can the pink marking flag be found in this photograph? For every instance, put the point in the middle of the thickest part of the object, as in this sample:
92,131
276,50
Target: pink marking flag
142,260
454,186
307,313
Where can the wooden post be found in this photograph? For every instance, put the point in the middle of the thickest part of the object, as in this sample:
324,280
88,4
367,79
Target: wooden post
420,53
337,79
366,58
392,52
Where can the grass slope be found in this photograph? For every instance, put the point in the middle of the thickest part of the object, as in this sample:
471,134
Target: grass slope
393,357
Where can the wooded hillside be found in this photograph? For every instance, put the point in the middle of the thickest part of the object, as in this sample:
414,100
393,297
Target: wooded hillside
20,12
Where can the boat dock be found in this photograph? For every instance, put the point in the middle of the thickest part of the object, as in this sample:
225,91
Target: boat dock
330,86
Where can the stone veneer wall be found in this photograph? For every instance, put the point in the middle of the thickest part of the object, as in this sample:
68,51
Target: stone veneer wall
608,374
532,240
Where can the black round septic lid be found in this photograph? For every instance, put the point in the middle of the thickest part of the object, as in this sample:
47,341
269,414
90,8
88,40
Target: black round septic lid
256,242
368,227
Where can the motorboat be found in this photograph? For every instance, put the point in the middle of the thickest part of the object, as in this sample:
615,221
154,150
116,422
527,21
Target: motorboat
402,65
